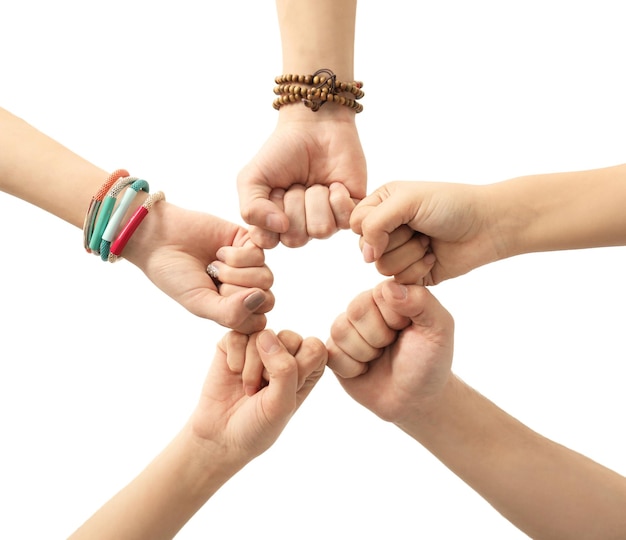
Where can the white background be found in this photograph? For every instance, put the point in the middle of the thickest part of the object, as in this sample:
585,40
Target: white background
99,369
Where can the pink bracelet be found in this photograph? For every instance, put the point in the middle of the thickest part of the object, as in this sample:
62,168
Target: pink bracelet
123,237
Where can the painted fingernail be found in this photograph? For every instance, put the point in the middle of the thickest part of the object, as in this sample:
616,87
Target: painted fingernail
268,341
368,253
253,301
212,271
397,290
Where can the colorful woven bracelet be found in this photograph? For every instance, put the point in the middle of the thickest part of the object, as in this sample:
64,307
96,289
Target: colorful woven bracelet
127,231
118,214
95,203
106,210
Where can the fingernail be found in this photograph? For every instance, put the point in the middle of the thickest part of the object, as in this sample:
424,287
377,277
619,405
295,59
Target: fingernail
212,271
268,341
273,223
254,300
219,255
397,290
368,253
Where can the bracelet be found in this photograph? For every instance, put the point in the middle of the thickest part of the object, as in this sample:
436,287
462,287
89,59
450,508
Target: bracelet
95,203
323,87
105,212
122,239
118,214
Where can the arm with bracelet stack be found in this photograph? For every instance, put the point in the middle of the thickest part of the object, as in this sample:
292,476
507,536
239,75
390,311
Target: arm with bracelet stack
305,180
173,247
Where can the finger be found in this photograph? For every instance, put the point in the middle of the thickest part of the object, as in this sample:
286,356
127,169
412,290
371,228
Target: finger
319,218
369,327
376,217
389,316
237,311
234,346
255,276
252,372
263,238
241,257
311,359
418,304
398,260
256,206
419,272
290,340
401,236
279,398
252,300
343,364
294,201
341,204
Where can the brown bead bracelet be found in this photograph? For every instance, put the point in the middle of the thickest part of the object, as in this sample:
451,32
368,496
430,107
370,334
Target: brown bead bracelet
323,88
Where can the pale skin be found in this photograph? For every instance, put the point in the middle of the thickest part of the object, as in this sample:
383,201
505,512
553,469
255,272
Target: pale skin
173,246
392,352
306,179
466,226
227,430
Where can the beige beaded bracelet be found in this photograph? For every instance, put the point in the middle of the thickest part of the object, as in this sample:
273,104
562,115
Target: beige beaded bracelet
323,87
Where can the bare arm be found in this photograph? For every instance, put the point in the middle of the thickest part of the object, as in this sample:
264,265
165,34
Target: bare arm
569,210
545,489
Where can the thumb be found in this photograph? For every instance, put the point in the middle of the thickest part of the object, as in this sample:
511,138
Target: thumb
233,311
256,207
279,396
416,302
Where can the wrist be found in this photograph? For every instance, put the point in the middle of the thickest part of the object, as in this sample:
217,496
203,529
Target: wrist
206,465
507,218
432,412
329,113
314,90
149,234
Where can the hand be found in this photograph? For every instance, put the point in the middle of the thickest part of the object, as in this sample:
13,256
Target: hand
174,248
454,218
392,349
244,426
304,181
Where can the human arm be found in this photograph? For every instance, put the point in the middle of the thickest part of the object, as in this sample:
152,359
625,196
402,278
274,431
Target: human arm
394,348
227,430
472,225
305,179
173,246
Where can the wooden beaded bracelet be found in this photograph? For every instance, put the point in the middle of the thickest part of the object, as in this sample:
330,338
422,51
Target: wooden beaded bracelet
94,205
323,88
127,231
118,215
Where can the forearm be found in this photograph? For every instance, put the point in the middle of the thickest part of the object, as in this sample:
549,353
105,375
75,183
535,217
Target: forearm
317,34
545,489
165,495
571,210
39,170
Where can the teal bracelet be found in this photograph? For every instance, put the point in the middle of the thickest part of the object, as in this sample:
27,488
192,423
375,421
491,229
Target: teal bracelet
118,214
105,212
94,205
